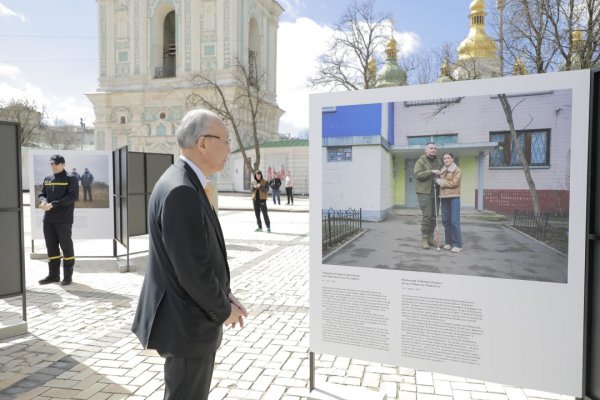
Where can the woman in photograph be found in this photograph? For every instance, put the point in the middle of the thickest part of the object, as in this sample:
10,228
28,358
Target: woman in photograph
449,182
260,192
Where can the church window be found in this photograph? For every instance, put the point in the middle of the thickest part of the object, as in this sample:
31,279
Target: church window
123,56
123,120
161,130
253,52
209,50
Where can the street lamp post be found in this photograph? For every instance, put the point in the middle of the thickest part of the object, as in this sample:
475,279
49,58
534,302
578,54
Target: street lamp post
82,131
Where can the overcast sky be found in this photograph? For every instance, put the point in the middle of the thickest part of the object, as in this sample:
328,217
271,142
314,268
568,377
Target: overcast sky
49,49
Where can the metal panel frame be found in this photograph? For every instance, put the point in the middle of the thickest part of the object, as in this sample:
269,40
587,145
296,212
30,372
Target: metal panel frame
19,212
123,174
591,368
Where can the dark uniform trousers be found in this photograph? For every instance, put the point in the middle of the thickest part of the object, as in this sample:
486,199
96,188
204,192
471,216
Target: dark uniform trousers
59,235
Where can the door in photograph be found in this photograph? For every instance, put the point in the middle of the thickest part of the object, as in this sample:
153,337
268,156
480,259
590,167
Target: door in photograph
411,194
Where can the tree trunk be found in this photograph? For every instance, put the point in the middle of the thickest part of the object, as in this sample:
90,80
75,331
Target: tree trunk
514,139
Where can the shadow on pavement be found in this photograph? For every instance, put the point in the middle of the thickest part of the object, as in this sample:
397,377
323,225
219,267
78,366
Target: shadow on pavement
491,249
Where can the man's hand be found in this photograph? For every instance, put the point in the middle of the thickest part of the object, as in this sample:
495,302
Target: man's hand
436,171
236,316
46,206
238,312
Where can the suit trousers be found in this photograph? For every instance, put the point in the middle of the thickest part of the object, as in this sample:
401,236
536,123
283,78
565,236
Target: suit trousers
188,378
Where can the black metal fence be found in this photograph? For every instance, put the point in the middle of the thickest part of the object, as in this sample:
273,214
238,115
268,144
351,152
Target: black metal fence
339,225
528,221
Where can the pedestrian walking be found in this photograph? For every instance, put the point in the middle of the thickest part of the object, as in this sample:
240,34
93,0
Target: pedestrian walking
449,182
87,180
186,296
57,198
427,168
275,184
260,193
289,188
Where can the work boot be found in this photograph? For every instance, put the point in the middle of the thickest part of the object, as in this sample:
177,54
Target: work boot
425,243
66,281
49,279
432,242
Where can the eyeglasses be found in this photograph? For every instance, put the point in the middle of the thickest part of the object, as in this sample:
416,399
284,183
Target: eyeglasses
226,141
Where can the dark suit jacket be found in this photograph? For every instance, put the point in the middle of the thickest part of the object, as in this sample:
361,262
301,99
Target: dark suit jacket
184,298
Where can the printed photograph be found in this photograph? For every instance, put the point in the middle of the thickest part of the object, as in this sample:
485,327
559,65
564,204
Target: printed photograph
91,171
474,185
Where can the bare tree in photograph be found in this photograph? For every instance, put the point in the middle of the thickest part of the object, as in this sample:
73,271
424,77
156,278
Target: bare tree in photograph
508,111
239,102
359,32
27,114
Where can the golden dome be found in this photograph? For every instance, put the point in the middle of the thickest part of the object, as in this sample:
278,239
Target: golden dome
391,50
445,72
391,74
445,69
372,66
392,44
519,68
477,6
477,44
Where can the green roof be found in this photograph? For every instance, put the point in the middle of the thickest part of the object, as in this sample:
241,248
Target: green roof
281,143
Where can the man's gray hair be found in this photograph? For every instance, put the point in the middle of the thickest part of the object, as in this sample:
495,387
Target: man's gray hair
193,125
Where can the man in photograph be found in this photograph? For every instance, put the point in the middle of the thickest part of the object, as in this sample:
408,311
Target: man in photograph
427,168
186,297
75,174
87,180
57,199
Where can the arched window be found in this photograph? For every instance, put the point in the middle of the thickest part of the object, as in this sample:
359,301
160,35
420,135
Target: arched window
169,46
161,130
253,52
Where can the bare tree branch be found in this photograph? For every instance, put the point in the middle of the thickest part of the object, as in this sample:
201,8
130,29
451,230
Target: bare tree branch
238,103
26,113
346,62
508,111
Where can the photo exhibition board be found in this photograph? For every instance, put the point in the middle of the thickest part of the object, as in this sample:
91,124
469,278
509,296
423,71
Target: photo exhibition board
94,215
508,308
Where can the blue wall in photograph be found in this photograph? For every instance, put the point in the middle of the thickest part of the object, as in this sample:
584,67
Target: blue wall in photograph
358,120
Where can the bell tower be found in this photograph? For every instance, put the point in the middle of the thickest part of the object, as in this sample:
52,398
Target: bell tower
150,51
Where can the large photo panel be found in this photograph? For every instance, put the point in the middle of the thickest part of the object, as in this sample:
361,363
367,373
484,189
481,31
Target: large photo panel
452,227
94,216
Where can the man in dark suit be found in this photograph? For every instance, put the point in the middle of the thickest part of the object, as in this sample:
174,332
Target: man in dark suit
186,298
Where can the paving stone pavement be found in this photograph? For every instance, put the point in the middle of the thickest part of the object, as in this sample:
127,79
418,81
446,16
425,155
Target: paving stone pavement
79,344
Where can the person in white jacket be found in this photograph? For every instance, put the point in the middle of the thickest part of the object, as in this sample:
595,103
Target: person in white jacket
289,184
